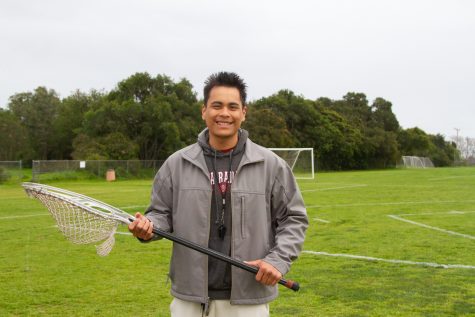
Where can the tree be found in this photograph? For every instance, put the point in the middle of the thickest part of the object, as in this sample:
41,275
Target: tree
469,150
381,148
150,117
70,119
383,116
138,87
117,146
312,124
87,148
267,128
354,107
14,142
441,151
337,142
157,114
416,142
113,146
37,112
299,114
413,141
465,146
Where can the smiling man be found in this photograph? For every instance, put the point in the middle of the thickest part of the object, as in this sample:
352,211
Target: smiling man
234,196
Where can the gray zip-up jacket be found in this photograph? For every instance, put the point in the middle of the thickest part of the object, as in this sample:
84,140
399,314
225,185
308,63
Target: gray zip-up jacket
268,220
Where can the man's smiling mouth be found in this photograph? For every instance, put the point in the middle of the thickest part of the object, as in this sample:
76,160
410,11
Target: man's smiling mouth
222,123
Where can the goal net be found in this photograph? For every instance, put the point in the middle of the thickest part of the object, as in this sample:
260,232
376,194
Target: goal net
416,162
300,160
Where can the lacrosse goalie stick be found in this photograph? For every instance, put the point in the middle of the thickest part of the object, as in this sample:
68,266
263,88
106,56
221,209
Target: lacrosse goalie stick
84,220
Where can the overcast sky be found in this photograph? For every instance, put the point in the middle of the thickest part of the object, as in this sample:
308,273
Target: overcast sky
420,55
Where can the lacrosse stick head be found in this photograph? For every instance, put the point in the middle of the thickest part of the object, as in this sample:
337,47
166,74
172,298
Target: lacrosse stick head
81,219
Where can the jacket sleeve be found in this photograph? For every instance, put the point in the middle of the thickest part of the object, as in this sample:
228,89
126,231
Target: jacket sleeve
160,209
289,219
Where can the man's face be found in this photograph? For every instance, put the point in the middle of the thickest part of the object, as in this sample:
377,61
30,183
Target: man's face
223,114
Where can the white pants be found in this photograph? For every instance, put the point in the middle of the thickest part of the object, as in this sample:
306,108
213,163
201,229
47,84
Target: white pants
217,308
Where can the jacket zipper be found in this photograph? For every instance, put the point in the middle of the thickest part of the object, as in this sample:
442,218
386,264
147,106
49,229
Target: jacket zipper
243,218
232,243
207,300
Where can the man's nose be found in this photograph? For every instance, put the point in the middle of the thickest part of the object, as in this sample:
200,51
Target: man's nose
224,112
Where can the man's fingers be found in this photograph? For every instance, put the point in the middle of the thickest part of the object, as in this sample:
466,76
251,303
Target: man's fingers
259,275
132,226
253,263
141,227
267,274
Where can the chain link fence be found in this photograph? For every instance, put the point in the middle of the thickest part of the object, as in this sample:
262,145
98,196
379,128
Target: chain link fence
11,170
89,169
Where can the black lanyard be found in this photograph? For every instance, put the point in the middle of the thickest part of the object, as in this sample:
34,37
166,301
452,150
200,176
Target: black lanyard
223,190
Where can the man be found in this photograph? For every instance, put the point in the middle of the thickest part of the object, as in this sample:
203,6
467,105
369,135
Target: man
234,196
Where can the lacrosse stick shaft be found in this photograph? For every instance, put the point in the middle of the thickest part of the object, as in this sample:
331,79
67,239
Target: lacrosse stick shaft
240,264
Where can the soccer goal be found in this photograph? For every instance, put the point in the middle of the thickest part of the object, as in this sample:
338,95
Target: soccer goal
300,160
417,162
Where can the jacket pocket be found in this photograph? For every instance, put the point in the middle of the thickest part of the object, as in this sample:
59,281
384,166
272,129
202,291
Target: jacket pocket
243,217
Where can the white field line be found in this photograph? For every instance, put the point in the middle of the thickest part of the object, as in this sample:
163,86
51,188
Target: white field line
393,203
124,233
130,207
117,232
321,220
22,216
330,183
46,214
433,228
452,212
450,177
331,188
372,259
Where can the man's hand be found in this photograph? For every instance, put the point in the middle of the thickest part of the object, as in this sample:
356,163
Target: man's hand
141,227
267,274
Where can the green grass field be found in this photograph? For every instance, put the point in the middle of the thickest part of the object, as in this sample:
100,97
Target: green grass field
376,246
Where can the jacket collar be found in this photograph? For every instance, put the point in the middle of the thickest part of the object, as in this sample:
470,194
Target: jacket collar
252,153
194,154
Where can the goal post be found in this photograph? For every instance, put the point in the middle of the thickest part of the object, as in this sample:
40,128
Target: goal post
417,162
300,160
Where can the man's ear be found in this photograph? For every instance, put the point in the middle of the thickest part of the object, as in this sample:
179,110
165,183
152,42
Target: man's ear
203,109
244,110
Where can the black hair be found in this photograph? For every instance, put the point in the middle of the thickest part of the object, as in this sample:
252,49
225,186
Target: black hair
225,79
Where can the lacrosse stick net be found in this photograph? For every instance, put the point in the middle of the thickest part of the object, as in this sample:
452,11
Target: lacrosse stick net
76,224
